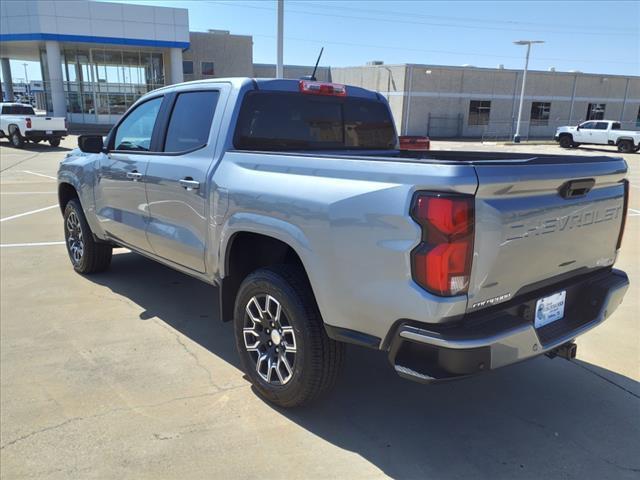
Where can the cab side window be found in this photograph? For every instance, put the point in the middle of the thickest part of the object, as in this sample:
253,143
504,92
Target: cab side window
601,125
588,125
135,131
190,122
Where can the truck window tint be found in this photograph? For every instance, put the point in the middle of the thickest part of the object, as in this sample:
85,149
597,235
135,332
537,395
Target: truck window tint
190,121
17,110
134,133
296,121
588,125
616,126
601,125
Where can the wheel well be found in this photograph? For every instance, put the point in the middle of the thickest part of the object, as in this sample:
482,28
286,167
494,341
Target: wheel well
246,253
66,192
620,140
565,134
11,128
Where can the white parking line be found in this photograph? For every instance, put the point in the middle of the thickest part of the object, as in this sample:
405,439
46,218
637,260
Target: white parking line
40,174
35,244
28,213
29,193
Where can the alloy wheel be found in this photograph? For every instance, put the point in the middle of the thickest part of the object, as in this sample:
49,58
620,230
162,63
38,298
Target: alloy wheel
269,339
75,241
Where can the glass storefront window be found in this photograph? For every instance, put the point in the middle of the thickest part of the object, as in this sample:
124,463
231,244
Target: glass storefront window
105,82
73,103
117,104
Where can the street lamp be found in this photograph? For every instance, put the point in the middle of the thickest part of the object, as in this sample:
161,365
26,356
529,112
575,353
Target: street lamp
528,43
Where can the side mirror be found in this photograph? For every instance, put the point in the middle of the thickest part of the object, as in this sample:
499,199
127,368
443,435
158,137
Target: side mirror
577,127
91,143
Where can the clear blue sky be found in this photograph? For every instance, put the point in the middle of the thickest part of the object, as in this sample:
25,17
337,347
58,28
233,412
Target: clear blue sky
590,36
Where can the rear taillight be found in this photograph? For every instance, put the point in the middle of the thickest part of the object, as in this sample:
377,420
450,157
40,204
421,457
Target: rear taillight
625,208
28,122
322,88
441,263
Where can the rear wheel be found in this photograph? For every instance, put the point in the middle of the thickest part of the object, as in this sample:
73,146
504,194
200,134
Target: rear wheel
281,340
16,139
54,142
86,255
625,146
566,141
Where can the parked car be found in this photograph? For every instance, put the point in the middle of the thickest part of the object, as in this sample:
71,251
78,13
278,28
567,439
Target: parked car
296,201
599,132
20,123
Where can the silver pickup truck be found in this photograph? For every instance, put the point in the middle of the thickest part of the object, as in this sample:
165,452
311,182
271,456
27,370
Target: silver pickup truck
294,199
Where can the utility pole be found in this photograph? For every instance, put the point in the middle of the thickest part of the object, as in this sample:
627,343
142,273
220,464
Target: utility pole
280,41
528,43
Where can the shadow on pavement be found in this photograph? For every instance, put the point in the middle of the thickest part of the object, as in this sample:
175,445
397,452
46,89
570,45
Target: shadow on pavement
34,147
543,418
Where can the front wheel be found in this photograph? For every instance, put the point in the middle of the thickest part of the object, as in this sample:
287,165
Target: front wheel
86,255
54,142
281,340
566,141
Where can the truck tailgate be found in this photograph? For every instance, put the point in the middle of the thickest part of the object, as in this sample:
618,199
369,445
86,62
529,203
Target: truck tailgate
40,123
532,225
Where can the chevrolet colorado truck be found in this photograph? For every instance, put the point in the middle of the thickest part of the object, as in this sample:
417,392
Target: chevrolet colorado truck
295,200
599,132
19,123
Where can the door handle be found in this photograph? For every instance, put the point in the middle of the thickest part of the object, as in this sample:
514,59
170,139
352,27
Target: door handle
135,175
189,183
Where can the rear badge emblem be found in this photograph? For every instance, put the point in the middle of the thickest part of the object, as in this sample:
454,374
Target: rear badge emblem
492,301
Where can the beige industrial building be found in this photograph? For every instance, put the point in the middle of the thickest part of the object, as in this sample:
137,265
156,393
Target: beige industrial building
444,101
217,53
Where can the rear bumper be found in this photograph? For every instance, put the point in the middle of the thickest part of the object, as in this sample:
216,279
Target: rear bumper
44,134
429,353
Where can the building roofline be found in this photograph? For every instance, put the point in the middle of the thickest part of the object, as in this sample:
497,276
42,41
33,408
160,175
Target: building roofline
221,35
493,69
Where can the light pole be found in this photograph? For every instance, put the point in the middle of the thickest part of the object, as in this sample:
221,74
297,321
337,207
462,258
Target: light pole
280,41
528,43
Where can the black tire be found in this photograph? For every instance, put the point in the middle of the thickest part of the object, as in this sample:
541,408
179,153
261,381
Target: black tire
625,146
16,139
54,142
93,256
318,360
566,141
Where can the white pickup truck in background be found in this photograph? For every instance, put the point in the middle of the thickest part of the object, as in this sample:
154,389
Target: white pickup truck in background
599,132
19,123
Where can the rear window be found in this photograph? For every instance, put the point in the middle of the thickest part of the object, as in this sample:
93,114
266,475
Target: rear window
296,121
17,110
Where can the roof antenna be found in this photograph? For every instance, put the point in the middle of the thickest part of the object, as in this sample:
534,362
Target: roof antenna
313,75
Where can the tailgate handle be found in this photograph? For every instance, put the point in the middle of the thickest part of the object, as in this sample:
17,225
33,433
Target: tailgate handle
576,188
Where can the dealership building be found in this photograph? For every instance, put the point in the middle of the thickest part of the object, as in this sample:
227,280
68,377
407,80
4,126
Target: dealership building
97,58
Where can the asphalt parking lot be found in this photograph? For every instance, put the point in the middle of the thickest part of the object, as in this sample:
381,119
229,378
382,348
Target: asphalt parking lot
130,374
